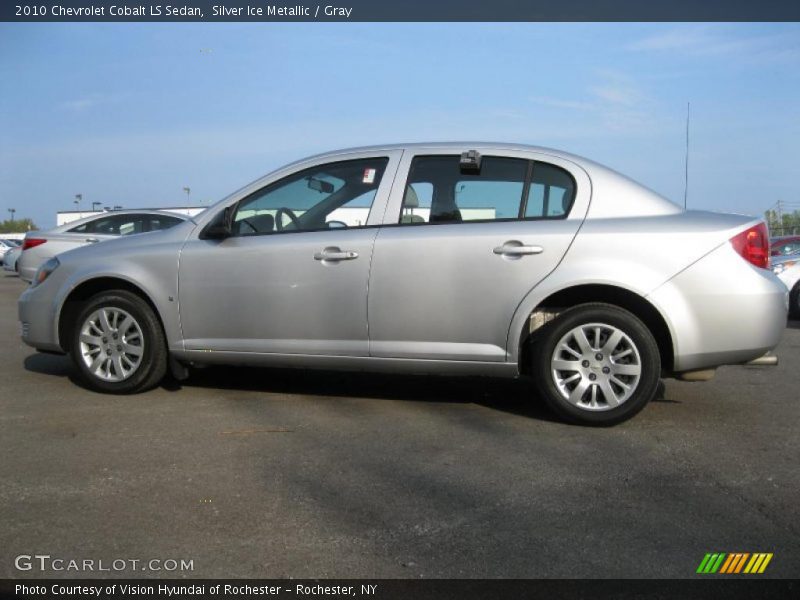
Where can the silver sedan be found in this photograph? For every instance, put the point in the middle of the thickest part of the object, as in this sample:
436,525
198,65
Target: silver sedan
481,259
39,246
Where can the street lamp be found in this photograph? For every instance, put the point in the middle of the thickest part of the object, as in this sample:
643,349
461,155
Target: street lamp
12,211
78,198
95,204
188,191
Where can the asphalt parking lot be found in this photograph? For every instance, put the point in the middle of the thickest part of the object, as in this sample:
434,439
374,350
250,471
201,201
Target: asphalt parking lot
267,473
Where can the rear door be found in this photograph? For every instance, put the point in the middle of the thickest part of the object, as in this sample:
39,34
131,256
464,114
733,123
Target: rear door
460,249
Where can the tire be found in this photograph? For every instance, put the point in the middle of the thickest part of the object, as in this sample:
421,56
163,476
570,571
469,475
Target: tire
592,390
134,361
794,302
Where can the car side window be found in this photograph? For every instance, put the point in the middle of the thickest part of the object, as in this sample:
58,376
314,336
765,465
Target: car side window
334,195
83,228
113,225
551,192
439,191
158,222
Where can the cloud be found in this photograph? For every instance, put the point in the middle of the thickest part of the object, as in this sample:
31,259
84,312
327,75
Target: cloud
79,104
613,101
90,101
722,41
617,89
561,103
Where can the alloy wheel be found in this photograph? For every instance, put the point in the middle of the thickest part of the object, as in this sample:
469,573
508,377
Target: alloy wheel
596,366
111,344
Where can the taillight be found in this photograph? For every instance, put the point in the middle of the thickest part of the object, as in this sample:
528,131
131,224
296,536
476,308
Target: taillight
753,245
32,243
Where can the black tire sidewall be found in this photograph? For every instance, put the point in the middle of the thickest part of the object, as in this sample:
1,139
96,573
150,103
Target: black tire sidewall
154,346
794,302
551,334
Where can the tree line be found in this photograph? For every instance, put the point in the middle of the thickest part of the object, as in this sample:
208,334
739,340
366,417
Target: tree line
17,226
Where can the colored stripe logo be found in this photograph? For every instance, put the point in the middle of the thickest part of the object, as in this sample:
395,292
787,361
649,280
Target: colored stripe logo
735,562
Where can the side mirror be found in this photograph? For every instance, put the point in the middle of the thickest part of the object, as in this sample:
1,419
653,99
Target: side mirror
336,225
221,227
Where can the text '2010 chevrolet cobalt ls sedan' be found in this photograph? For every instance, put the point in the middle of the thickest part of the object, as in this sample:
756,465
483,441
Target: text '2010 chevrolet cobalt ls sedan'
482,259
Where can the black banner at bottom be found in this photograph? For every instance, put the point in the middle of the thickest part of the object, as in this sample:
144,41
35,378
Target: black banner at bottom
390,589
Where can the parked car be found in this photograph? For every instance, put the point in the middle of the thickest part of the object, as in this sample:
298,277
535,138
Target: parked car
39,246
520,261
11,258
787,268
5,246
785,245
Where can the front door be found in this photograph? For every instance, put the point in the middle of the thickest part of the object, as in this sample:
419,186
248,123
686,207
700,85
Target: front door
293,277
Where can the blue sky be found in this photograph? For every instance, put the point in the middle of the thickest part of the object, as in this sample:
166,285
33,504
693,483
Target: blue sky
131,113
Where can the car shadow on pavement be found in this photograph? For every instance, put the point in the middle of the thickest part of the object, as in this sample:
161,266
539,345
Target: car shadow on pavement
49,364
513,396
793,325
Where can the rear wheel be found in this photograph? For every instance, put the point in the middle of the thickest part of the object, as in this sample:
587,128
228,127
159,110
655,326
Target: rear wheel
118,344
596,364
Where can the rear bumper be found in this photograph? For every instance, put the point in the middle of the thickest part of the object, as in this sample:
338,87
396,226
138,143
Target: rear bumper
26,273
722,310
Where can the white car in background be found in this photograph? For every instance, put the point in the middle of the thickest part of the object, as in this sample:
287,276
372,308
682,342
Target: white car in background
11,258
5,246
787,268
40,246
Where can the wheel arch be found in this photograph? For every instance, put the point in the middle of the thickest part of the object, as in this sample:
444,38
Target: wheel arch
624,298
85,290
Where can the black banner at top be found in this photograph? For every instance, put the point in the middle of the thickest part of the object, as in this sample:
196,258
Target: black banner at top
399,10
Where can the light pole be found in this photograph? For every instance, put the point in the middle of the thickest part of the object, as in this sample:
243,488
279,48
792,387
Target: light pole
188,191
78,198
95,204
12,211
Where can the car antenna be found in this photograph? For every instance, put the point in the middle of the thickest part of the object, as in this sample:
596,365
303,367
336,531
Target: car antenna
686,162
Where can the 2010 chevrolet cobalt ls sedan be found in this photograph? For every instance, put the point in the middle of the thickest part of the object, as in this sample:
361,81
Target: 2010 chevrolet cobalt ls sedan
487,259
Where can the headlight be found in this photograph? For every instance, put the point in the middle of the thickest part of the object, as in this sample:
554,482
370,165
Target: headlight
44,271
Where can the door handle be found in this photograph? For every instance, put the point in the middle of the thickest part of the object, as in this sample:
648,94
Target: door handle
515,248
335,254
92,240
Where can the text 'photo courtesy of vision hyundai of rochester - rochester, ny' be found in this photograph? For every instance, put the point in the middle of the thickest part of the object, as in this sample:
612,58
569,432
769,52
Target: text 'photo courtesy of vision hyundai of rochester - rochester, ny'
477,259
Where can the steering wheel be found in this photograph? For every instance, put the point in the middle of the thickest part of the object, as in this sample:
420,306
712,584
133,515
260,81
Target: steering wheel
288,212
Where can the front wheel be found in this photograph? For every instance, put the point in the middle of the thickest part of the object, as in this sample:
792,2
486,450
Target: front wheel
596,364
118,344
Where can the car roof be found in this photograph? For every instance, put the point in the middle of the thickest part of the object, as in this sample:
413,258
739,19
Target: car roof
457,147
785,238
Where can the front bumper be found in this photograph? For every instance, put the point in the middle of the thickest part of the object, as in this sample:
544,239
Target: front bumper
37,315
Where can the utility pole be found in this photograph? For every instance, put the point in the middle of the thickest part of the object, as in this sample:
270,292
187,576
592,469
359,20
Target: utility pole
12,211
780,217
95,204
188,191
78,198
